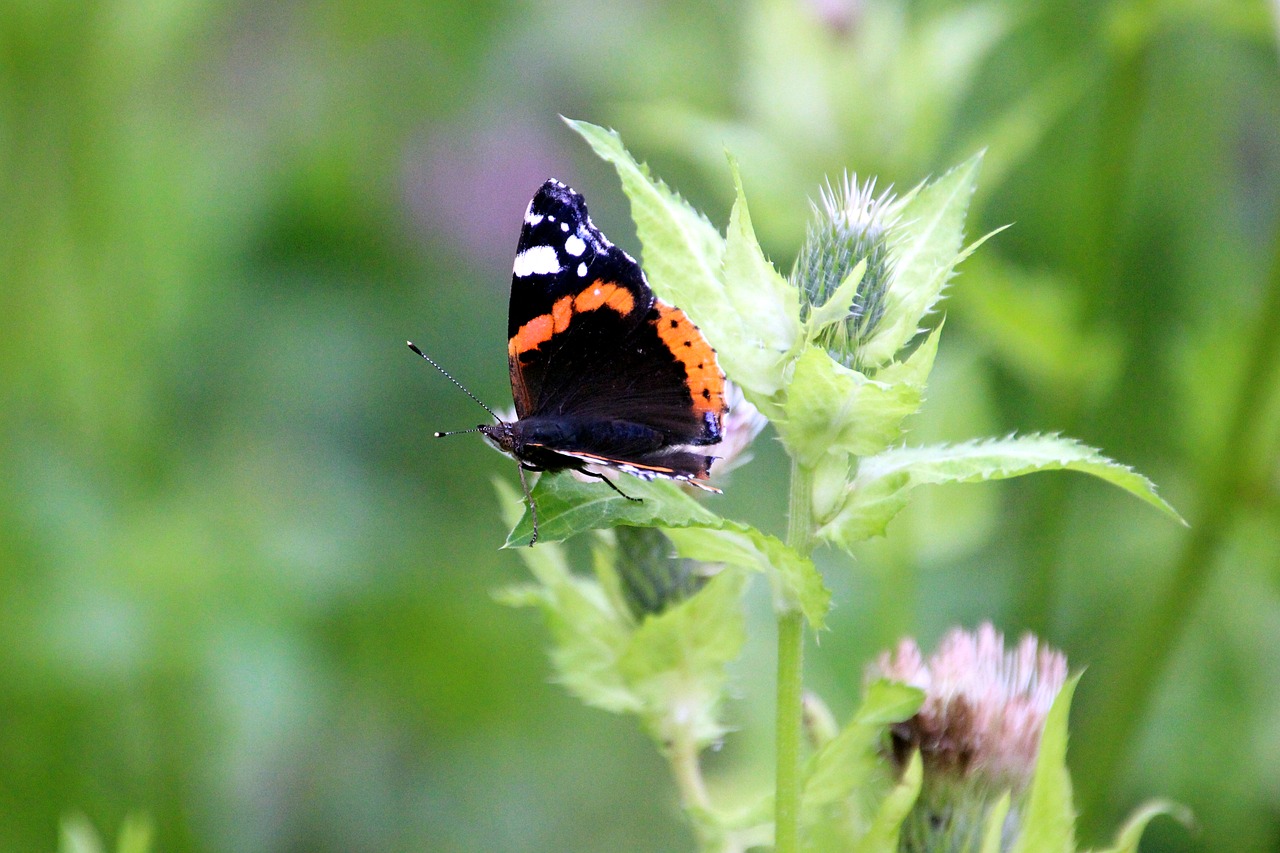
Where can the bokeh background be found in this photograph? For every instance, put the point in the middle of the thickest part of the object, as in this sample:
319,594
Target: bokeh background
243,592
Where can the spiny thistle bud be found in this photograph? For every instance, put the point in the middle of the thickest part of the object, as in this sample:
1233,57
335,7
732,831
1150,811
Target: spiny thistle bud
651,576
978,732
851,224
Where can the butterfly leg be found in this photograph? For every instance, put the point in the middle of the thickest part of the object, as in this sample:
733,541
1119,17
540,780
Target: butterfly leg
609,483
533,507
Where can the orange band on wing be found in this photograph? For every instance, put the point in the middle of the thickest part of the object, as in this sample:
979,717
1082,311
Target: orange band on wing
606,294
702,373
561,313
531,335
539,330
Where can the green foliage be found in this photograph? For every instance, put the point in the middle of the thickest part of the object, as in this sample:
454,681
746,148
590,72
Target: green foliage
667,667
244,588
885,481
1048,823
838,424
827,415
567,507
848,793
78,836
925,249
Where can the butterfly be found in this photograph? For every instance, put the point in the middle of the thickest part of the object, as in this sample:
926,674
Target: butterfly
604,375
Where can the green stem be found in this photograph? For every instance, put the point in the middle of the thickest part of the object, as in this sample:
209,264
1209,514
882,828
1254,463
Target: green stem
790,664
790,676
1133,679
683,756
688,774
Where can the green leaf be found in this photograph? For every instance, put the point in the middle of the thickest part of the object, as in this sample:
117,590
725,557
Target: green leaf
796,582
1048,823
567,506
767,306
883,483
1131,832
589,631
831,408
847,793
888,702
846,764
882,835
837,308
683,252
993,833
676,660
926,247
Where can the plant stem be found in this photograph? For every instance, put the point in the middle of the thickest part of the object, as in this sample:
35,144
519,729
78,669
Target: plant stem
790,676
790,664
1108,741
688,774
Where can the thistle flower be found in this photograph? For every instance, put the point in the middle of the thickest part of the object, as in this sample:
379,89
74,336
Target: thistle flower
978,732
851,224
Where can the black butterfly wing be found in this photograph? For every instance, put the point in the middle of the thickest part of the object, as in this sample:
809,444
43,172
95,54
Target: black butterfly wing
556,304
591,345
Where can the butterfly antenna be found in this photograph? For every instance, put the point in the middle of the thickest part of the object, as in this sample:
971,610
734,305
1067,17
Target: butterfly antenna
430,361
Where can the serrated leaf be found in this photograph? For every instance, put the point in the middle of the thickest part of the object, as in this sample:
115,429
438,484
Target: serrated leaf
884,481
767,306
832,408
1131,833
567,506
1048,822
683,252
676,660
925,249
796,582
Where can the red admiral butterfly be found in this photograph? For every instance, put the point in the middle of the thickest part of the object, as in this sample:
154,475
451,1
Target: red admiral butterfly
603,373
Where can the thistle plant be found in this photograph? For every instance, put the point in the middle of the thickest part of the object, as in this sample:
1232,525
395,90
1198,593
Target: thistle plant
836,357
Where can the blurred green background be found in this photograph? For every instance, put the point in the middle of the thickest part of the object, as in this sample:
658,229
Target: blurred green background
245,593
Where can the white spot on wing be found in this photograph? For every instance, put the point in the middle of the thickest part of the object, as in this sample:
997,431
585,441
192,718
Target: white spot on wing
537,260
582,271
575,246
564,226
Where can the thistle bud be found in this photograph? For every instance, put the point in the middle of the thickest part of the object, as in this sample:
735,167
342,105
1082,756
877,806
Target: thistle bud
652,578
850,224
